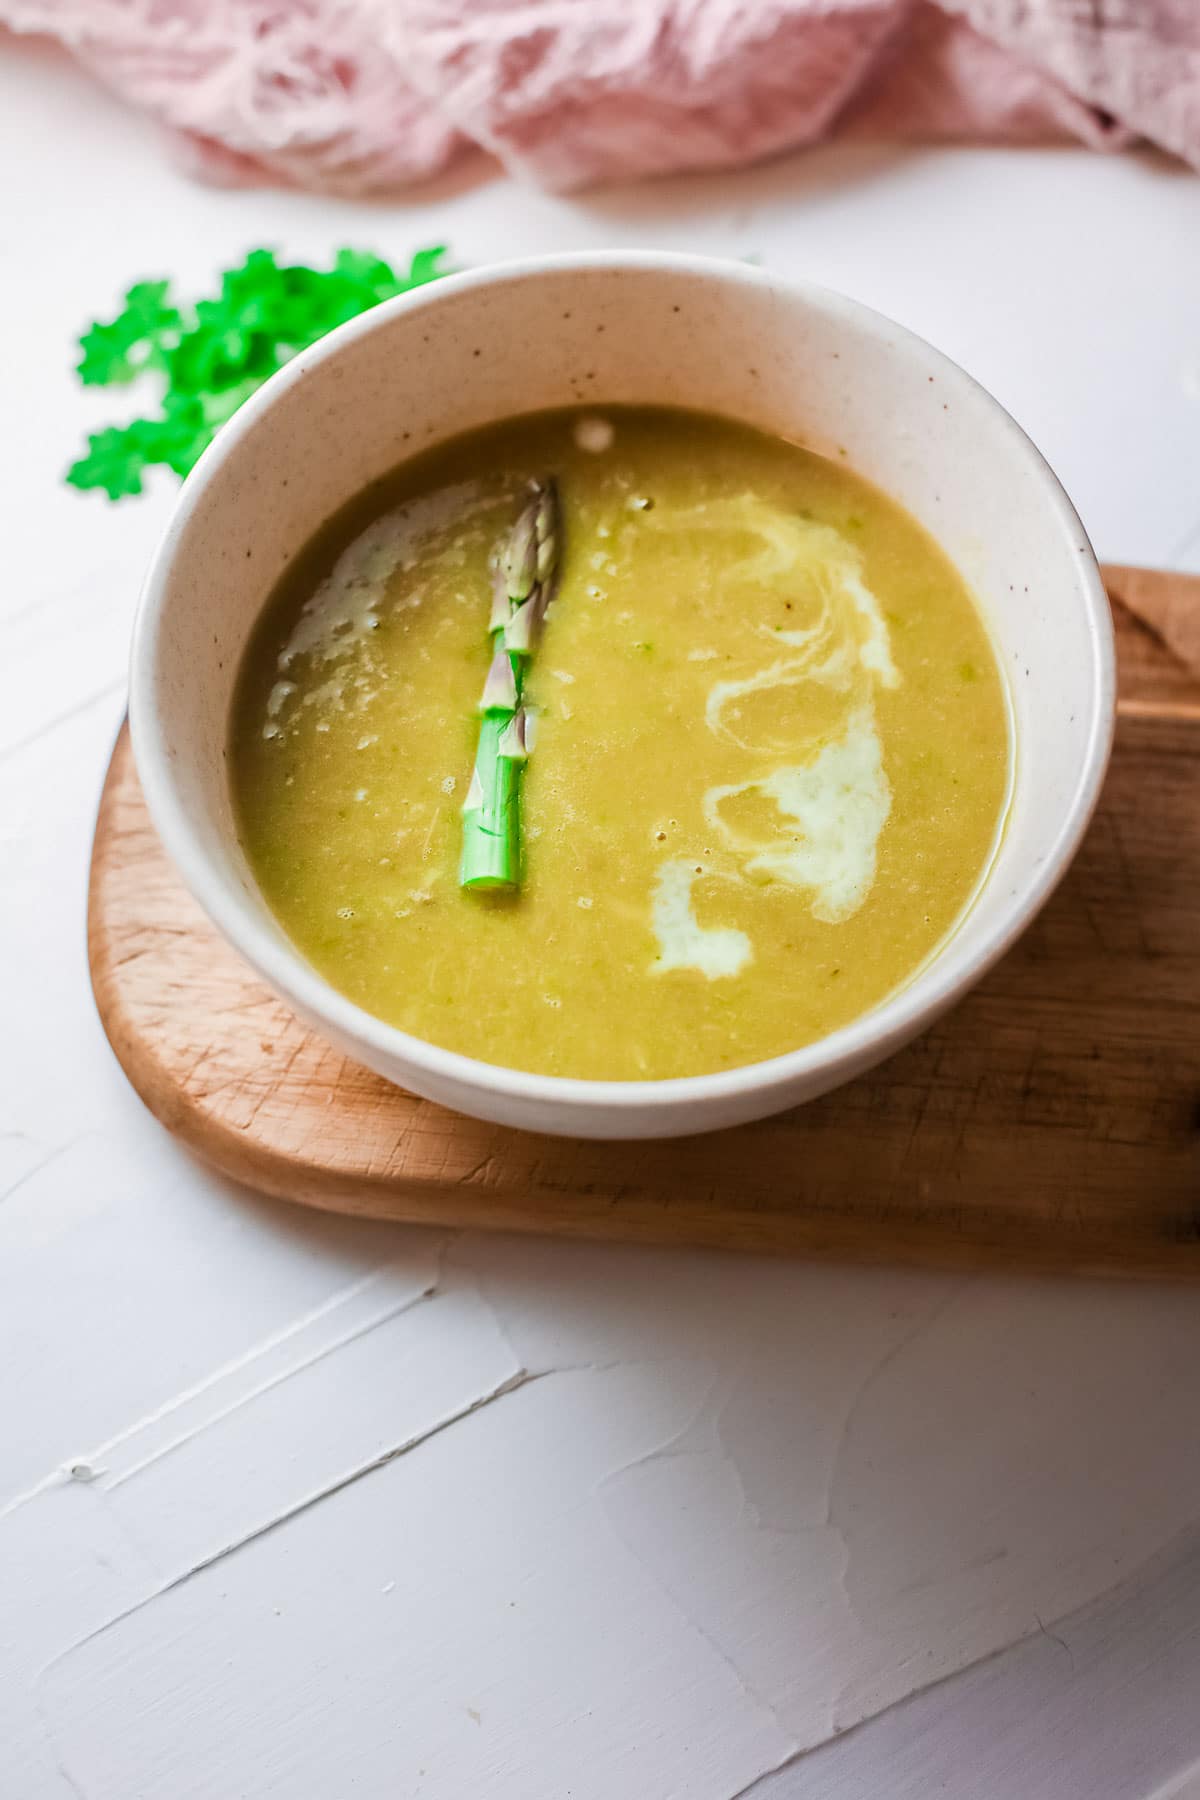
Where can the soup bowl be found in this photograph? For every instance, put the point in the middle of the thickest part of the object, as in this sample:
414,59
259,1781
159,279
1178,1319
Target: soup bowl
788,357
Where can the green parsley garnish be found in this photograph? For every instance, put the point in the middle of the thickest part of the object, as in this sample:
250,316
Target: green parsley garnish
213,355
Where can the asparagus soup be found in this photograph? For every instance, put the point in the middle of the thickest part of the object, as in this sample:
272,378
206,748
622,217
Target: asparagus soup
622,744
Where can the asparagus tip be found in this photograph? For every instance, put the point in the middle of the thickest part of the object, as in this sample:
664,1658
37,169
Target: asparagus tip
513,743
500,688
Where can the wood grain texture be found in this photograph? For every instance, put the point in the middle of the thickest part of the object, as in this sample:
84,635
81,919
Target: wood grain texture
1051,1122
1169,607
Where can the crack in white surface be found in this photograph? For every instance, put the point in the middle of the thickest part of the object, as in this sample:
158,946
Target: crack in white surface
265,1387
512,1384
51,1742
1054,1638
671,1449
1183,1786
1008,1685
9,751
865,1387
750,1515
103,1458
786,1762
845,1733
45,1162
871,1380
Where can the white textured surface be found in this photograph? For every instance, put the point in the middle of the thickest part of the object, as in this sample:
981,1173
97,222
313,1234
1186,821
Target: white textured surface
360,1511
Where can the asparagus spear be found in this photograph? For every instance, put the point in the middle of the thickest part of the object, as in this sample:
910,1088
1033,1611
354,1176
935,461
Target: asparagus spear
524,571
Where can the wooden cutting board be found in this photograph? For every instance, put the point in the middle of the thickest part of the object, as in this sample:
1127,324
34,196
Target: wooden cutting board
1051,1122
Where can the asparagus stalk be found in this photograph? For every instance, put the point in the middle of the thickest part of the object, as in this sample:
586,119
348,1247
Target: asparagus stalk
524,570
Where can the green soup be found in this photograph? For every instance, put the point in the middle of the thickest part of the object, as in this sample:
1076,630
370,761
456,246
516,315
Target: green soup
770,769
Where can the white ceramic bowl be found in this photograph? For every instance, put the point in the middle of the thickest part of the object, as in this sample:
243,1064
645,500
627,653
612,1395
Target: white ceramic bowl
788,357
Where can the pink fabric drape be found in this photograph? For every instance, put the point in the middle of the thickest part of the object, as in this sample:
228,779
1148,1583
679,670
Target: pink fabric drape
358,96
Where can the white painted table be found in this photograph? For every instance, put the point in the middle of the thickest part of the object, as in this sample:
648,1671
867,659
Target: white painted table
295,1507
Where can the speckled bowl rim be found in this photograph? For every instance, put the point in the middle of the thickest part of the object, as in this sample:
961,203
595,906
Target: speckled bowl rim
850,1049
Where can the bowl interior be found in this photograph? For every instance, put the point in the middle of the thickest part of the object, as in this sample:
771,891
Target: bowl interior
802,363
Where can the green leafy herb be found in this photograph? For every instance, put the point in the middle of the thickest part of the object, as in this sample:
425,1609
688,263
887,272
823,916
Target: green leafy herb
212,355
135,339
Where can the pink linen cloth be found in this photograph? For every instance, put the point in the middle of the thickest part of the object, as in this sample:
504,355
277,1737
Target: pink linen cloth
361,96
